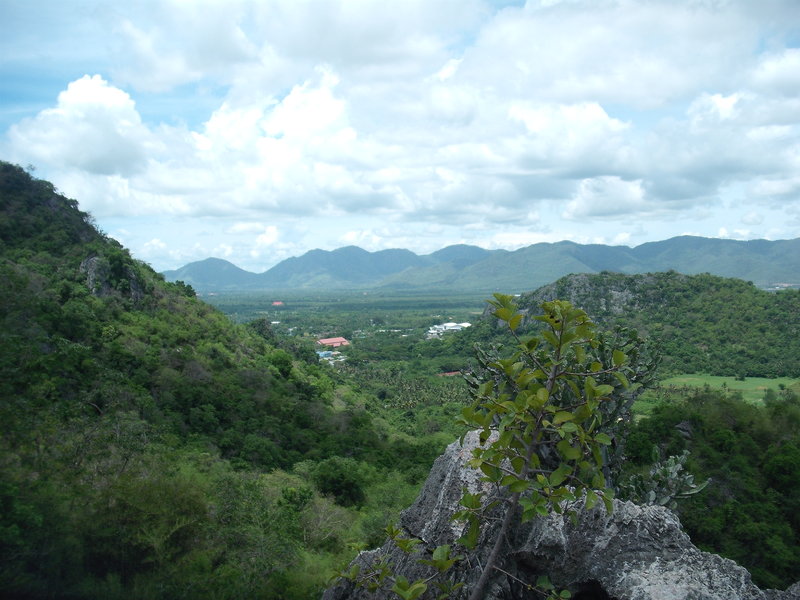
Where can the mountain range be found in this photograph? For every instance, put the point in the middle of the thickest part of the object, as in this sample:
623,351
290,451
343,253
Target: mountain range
464,267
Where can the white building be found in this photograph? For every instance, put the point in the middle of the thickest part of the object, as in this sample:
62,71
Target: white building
437,330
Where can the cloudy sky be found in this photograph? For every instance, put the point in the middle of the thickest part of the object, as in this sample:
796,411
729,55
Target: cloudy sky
258,130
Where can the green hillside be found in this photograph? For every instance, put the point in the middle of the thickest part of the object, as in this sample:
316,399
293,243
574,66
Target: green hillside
702,323
750,511
213,273
462,267
153,449
763,262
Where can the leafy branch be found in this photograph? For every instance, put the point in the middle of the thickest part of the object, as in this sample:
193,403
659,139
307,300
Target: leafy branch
540,414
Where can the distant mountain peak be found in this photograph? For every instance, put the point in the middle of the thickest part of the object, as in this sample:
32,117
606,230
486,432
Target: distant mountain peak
463,266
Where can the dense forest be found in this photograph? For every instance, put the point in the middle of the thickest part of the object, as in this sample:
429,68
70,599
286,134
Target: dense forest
152,447
702,323
751,454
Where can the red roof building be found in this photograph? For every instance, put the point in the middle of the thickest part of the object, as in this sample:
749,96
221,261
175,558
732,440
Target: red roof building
334,342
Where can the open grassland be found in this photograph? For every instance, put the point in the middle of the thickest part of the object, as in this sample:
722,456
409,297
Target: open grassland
752,389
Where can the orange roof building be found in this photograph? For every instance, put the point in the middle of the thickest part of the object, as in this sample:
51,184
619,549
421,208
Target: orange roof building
335,342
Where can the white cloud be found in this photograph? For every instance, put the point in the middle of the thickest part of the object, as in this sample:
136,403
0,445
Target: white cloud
224,250
713,107
238,228
155,244
779,72
640,54
364,238
182,44
604,197
267,237
93,128
344,122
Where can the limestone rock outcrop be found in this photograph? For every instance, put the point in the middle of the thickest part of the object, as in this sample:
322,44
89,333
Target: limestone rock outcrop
99,279
635,553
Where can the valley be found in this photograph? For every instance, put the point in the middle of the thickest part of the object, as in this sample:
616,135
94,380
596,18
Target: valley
157,444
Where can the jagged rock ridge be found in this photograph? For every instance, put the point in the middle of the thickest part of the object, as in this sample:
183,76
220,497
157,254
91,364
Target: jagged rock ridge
635,553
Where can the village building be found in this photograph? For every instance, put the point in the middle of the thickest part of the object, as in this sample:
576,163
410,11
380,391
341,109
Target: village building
437,330
334,342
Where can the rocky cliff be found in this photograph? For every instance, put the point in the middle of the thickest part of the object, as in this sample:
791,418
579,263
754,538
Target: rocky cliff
635,553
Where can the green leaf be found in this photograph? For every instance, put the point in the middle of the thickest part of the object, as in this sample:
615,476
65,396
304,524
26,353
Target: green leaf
580,354
608,500
441,560
591,499
562,417
408,591
472,501
505,439
598,457
550,338
602,438
622,379
492,473
619,358
508,480
406,544
354,572
595,367
603,390
514,322
543,582
560,474
470,538
567,451
504,314
520,485
442,552
392,531
569,427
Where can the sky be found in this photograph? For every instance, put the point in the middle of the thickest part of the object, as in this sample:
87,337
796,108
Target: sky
256,130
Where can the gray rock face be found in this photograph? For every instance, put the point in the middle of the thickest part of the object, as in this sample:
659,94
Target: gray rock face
98,279
636,553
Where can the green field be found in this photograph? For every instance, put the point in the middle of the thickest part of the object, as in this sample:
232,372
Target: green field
752,389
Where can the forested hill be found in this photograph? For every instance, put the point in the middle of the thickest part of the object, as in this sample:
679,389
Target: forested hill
462,267
137,426
703,323
88,331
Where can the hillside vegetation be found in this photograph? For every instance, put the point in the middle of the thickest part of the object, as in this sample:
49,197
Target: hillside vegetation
750,510
702,323
152,448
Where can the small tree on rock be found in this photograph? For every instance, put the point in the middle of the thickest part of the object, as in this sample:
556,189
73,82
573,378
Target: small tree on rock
550,418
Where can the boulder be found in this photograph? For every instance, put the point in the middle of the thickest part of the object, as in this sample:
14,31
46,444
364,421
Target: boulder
635,553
